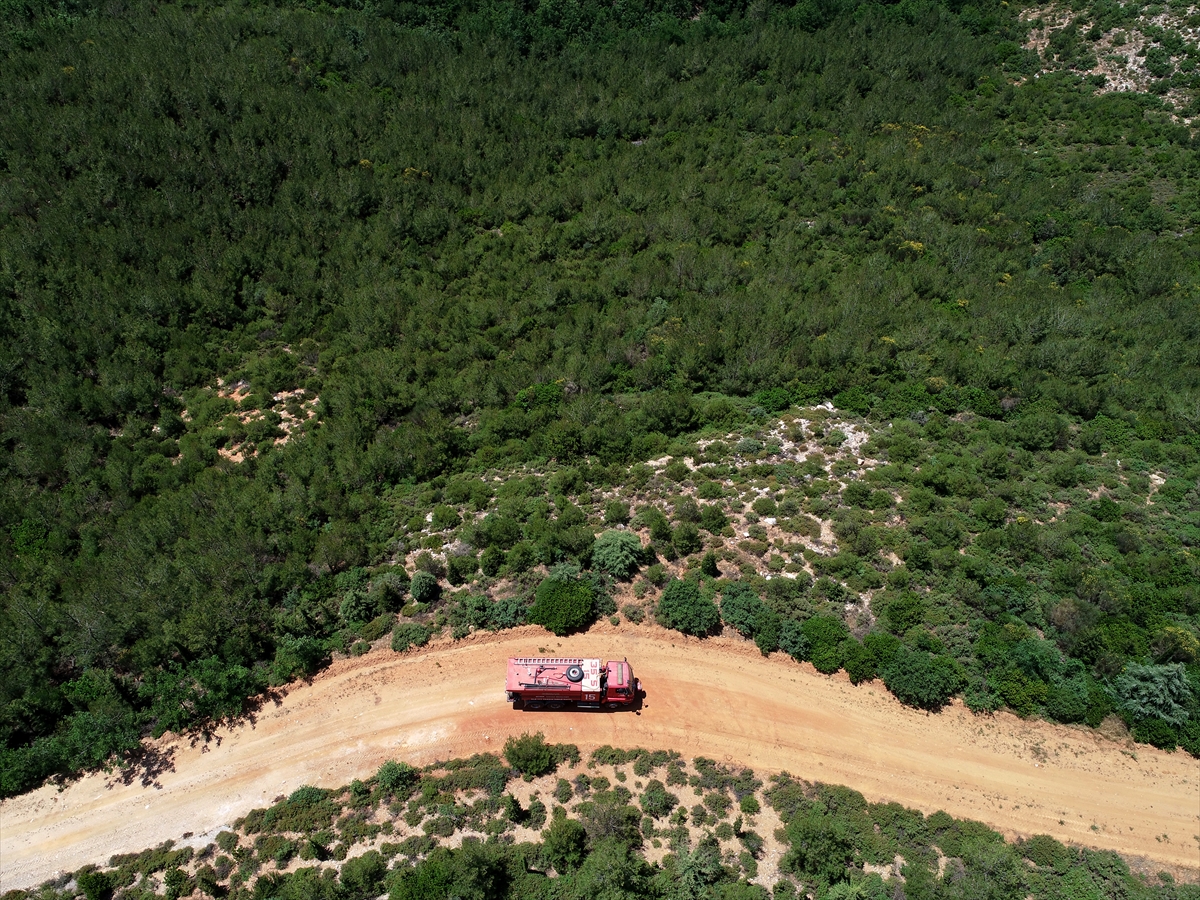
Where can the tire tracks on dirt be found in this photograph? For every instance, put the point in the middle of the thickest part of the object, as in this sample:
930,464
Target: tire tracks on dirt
717,698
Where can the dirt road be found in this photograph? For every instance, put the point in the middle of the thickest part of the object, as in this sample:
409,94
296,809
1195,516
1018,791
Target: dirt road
718,698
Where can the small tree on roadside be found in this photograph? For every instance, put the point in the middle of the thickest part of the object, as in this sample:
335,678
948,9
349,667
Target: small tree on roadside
563,606
1160,692
410,634
685,609
825,635
397,779
792,640
94,884
858,661
922,679
530,755
742,608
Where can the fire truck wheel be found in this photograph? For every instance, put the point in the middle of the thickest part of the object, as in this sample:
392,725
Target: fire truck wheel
533,704
575,674
556,704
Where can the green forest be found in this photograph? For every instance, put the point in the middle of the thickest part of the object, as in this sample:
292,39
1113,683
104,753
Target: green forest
289,293
469,829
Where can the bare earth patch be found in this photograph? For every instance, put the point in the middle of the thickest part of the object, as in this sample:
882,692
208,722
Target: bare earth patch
1118,54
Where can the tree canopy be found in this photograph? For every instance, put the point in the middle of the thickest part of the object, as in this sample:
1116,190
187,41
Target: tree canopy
275,276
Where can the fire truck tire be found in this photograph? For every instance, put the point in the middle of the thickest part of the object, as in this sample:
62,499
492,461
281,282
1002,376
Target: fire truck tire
575,674
556,704
533,704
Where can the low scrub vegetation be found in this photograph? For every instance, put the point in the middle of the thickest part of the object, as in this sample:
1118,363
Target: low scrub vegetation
464,828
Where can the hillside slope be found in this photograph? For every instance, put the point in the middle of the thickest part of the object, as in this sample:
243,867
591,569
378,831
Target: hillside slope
275,281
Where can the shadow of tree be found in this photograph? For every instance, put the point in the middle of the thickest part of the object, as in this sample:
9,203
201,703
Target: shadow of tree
147,763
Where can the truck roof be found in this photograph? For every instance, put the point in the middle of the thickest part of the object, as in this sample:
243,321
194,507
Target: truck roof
551,673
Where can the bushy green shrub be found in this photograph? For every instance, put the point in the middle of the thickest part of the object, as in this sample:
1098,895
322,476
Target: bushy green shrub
496,531
445,518
686,539
362,876
741,608
767,632
858,661
883,647
685,609
657,801
95,885
793,641
530,755
397,779
653,518
389,590
901,611
521,558
1067,700
1154,692
357,607
825,635
563,606
424,587
377,627
764,506
686,509
410,634
460,567
297,656
616,512
788,597
822,845
491,561
713,518
617,553
565,844
921,679
306,809
1043,850
1160,734
177,883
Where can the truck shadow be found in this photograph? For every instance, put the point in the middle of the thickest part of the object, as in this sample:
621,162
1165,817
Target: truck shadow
543,706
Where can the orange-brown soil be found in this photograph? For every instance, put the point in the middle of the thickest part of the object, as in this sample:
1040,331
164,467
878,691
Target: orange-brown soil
717,698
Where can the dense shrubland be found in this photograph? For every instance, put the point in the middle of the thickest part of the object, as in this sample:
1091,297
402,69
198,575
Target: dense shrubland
284,291
470,829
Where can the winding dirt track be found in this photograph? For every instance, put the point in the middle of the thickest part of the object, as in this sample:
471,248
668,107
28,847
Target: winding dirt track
718,698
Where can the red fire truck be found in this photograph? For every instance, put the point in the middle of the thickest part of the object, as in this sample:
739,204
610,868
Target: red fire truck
544,682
